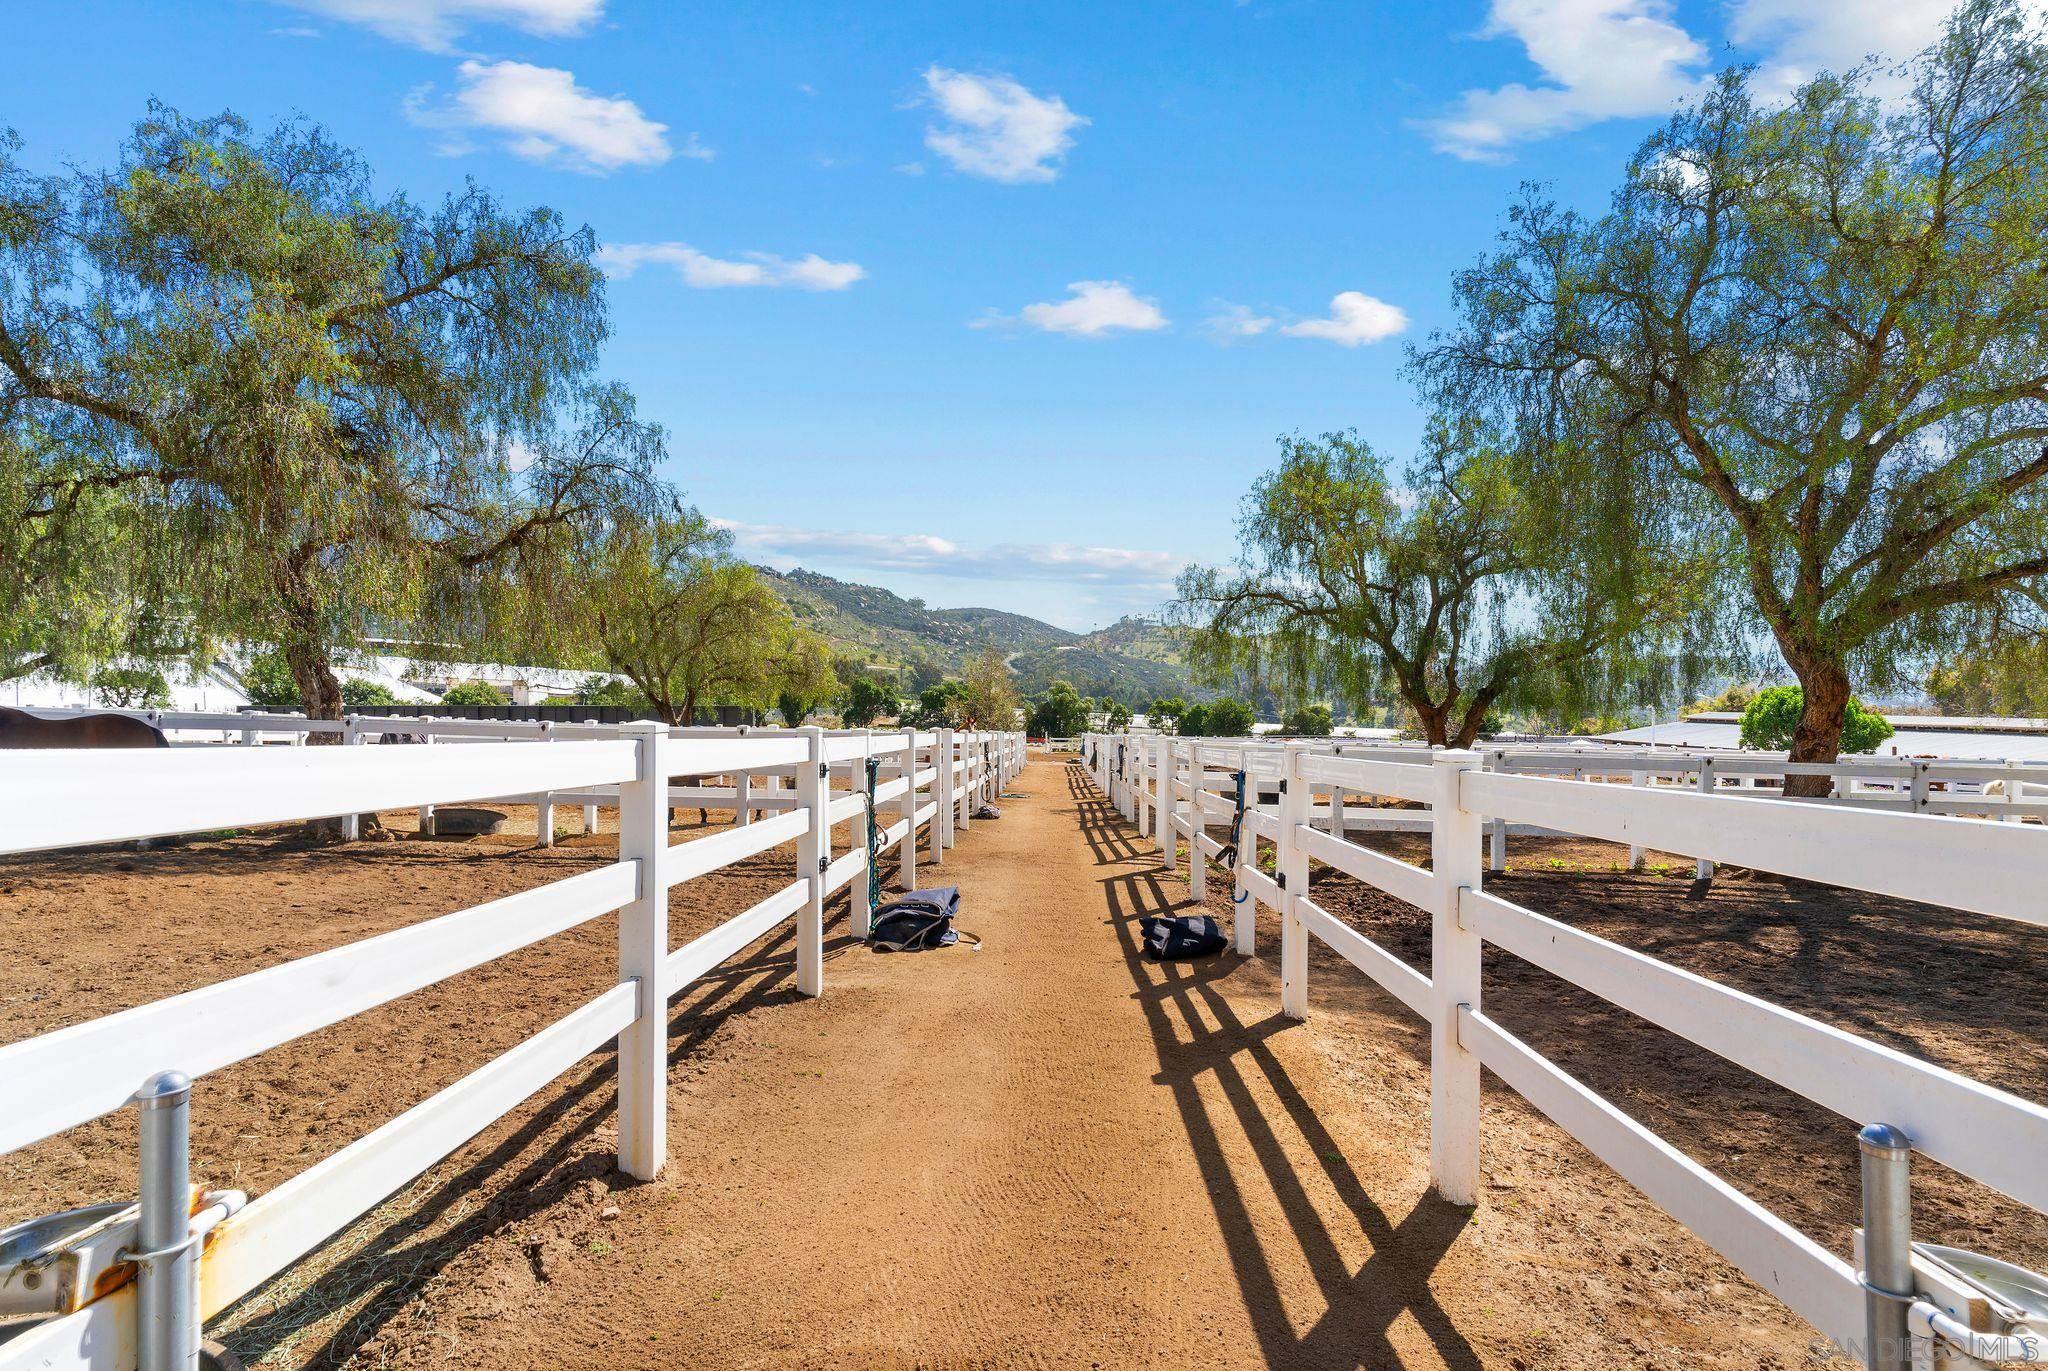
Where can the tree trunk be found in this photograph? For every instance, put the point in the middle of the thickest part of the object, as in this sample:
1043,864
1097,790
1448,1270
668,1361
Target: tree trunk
1824,687
1436,724
306,654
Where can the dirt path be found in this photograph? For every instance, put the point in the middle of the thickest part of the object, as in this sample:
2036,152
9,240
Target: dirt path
1045,1152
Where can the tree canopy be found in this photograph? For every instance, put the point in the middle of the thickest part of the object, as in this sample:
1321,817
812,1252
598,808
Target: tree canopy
866,701
332,411
1061,712
1452,585
1822,322
1772,718
689,625
2003,678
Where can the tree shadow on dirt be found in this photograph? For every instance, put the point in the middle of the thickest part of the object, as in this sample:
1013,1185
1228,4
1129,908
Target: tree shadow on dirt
1197,1033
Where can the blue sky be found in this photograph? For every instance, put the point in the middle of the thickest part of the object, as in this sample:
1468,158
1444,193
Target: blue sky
992,304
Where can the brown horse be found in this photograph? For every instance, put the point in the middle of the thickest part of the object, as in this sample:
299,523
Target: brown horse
20,729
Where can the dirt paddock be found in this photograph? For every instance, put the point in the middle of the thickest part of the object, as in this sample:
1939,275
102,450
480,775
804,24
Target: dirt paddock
1050,1152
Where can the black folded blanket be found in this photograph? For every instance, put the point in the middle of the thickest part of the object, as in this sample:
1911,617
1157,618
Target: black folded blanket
1182,938
922,919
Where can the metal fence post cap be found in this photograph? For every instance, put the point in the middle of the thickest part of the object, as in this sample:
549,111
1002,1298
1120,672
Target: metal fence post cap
165,1090
1883,1140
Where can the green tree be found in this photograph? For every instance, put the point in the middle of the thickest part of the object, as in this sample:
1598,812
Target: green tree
1194,722
2006,678
1227,718
866,701
1119,715
69,605
937,706
691,626
1059,713
1733,700
1308,721
1454,585
1825,321
131,687
336,408
269,683
1772,719
474,693
357,691
1168,710
988,694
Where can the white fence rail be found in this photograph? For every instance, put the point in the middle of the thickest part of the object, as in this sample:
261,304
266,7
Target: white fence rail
65,1078
1178,790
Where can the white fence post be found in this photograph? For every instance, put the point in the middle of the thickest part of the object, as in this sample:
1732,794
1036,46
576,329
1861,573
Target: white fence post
1454,960
1148,789
863,821
643,957
942,790
427,811
1169,807
1704,869
544,804
907,854
351,823
742,800
589,811
813,855
1635,851
1290,866
1244,906
1198,827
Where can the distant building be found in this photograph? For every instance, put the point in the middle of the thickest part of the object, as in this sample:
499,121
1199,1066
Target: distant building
1917,735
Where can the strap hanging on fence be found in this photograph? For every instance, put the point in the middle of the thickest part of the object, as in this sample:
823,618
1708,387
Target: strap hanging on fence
874,840
1228,856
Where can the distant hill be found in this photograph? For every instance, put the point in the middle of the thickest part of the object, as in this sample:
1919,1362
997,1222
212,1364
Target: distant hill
1134,637
1131,660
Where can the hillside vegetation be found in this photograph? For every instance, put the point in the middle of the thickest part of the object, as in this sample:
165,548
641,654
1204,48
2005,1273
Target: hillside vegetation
1131,660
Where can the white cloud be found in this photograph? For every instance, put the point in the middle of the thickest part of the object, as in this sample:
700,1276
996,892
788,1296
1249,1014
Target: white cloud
929,553
1355,318
541,114
1806,37
1091,309
809,272
436,24
1602,59
996,128
1229,323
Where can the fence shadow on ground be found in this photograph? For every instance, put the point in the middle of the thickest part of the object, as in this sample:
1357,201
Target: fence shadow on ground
1198,1033
551,1153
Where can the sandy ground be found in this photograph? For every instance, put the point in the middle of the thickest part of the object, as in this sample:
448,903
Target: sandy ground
1044,1152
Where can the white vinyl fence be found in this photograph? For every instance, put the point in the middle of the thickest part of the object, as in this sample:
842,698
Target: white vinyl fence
62,1079
1179,790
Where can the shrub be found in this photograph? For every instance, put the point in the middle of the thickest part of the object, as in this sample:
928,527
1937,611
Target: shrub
1769,721
1308,721
474,693
1230,719
131,687
269,684
356,691
866,701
